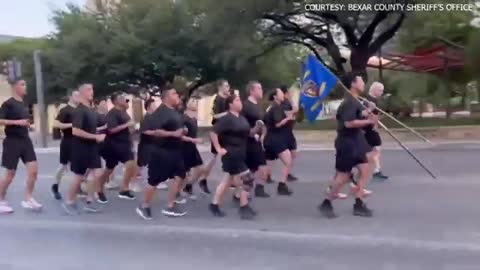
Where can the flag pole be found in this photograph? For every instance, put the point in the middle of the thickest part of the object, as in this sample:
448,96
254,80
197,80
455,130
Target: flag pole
392,135
398,122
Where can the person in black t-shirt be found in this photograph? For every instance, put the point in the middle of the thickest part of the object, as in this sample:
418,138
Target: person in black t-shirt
64,123
191,155
351,148
118,147
371,133
219,110
145,142
229,136
85,152
256,160
277,138
291,140
17,145
166,156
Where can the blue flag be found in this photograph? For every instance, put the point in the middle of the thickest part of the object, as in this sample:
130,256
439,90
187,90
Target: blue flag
317,82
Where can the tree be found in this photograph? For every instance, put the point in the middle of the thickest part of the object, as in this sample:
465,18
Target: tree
275,23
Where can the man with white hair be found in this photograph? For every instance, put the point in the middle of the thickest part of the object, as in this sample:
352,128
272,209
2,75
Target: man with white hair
371,133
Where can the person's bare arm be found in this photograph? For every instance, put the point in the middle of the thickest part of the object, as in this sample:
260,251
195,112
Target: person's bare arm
60,125
20,122
83,134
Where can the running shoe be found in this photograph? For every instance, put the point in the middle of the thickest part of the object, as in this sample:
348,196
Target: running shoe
144,212
162,186
126,195
56,194
5,208
339,195
215,210
91,208
204,186
282,189
326,209
32,204
101,198
174,211
292,178
380,176
260,192
361,210
366,192
112,184
270,180
70,208
246,212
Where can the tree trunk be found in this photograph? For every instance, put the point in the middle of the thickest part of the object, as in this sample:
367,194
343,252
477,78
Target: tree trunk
421,107
359,60
464,98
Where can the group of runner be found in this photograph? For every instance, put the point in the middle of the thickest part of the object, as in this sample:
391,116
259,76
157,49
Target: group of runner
245,137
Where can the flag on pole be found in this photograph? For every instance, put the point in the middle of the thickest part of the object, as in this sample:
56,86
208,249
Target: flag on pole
317,82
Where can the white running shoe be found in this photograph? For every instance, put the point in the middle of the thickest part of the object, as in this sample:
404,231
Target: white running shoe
136,186
31,204
112,185
5,208
162,186
365,191
339,195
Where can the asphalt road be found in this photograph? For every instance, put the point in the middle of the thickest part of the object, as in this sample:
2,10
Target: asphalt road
419,223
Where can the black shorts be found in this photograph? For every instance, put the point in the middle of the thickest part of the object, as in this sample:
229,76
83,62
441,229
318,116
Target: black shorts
255,155
84,156
275,144
65,151
15,149
350,153
191,156
102,150
373,138
291,141
117,153
234,162
143,153
164,164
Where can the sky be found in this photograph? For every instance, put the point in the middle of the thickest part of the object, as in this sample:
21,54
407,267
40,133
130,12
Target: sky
30,18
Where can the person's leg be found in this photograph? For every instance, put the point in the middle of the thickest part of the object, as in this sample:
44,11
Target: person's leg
260,176
291,177
5,183
360,209
177,171
326,207
100,184
32,173
219,195
286,159
247,181
203,178
129,174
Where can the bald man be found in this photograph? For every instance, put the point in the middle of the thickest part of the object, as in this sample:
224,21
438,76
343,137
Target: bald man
371,132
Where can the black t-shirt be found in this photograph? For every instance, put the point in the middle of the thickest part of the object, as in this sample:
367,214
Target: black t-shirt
101,121
115,118
167,119
86,119
144,138
252,112
65,116
287,106
350,109
219,106
232,132
13,109
274,115
191,124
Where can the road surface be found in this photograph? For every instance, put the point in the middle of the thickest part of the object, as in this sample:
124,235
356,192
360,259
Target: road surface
419,223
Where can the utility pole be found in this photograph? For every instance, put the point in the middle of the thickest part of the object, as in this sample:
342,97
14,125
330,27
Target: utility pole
40,98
